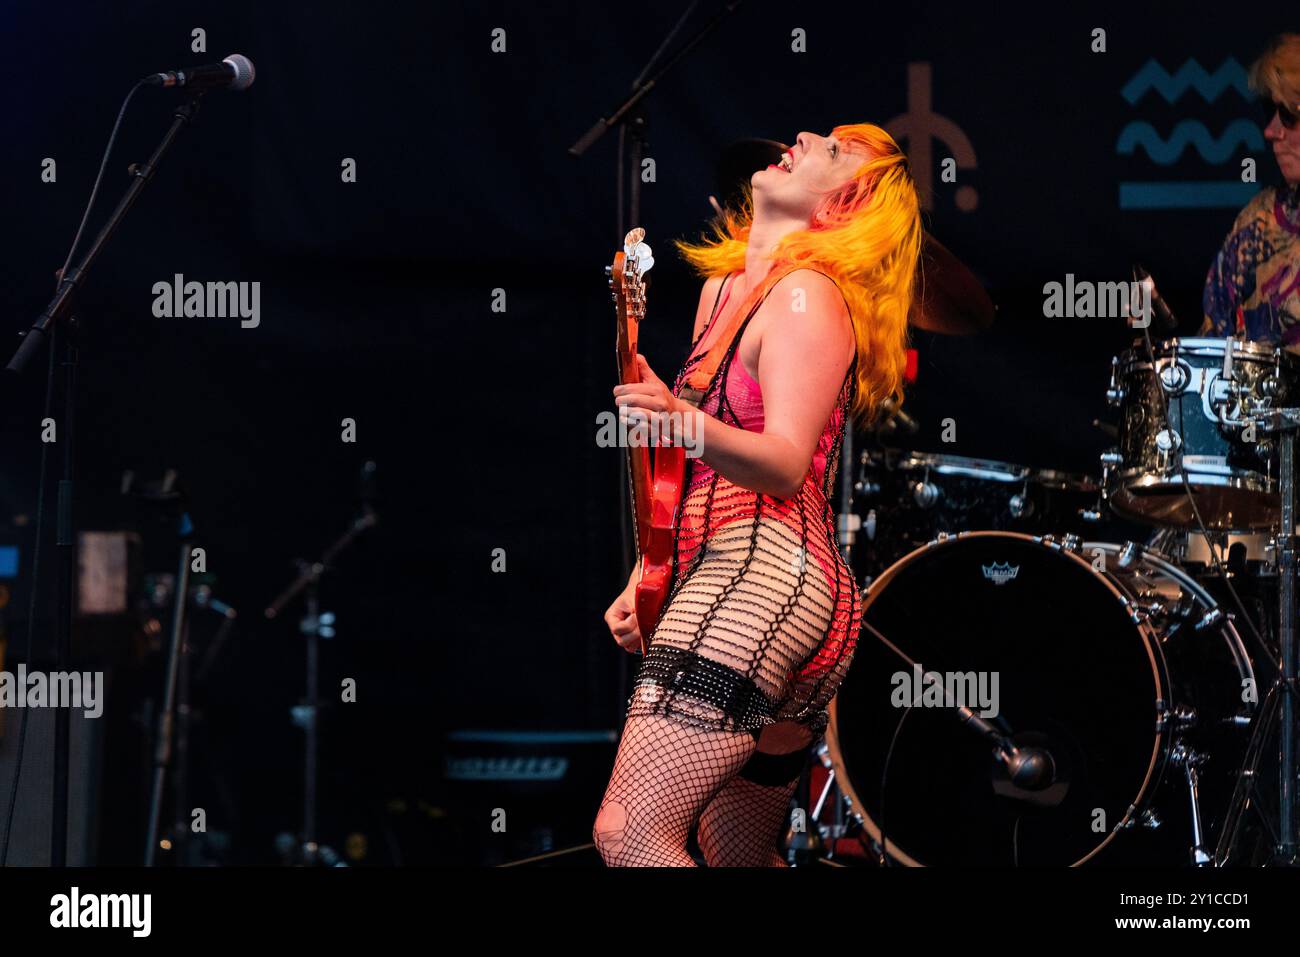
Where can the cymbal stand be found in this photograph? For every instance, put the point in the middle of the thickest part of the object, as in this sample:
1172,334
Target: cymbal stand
1279,706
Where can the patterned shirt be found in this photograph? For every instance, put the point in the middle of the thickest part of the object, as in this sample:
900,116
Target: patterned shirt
1258,271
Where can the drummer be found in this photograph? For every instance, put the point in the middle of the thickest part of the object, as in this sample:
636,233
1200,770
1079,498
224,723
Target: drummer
1253,287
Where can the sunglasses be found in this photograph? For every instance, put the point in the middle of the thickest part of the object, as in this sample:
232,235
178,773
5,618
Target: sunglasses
1287,116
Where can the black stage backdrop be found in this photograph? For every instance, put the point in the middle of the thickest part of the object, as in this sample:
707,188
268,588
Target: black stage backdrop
377,300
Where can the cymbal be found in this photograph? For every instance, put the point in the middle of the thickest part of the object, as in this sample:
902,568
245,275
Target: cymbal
949,299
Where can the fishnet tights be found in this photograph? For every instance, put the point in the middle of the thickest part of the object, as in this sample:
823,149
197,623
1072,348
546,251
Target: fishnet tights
743,826
670,777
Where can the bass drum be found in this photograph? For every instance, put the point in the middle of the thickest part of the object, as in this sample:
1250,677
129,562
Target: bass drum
1111,660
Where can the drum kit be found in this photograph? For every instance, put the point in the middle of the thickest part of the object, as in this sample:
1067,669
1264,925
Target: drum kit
1136,629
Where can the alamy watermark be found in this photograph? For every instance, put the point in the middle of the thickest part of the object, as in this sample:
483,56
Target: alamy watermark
57,689
1098,300
208,300
74,909
637,429
918,688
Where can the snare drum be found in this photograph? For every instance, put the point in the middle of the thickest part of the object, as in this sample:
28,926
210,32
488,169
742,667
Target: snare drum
1255,552
1230,468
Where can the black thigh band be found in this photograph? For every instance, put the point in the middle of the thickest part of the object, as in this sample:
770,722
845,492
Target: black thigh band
691,675
773,770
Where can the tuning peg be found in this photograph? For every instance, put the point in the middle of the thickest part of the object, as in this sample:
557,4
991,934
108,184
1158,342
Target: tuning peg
644,257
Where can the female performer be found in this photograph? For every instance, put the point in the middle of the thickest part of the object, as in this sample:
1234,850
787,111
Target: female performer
802,322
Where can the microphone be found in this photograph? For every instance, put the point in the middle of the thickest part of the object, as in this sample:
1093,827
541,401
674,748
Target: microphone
1030,768
1164,315
235,72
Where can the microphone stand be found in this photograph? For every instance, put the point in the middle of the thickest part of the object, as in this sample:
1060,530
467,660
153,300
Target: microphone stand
315,626
177,658
58,311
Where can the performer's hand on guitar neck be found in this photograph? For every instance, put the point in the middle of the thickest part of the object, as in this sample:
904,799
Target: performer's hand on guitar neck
621,618
650,396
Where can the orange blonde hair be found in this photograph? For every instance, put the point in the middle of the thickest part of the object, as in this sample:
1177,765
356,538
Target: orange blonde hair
867,237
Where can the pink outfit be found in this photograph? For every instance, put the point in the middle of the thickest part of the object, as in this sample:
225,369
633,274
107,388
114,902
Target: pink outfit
745,396
763,617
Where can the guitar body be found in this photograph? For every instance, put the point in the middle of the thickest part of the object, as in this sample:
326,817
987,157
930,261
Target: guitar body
654,480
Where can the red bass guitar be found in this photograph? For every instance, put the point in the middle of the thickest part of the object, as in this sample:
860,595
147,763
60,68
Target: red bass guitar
654,482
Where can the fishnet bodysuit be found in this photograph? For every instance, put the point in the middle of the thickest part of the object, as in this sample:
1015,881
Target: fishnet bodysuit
760,627
763,616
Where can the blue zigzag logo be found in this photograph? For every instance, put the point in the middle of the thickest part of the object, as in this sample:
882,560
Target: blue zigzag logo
1191,75
1189,132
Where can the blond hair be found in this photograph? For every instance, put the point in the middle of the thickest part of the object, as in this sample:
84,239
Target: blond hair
1277,71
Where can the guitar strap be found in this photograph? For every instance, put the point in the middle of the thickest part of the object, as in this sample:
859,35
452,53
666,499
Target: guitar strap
701,377
708,364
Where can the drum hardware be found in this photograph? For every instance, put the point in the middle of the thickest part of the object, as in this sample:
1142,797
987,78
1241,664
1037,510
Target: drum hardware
1185,407
1146,611
1279,706
1212,619
1188,761
1167,443
1134,820
926,494
1175,376
1019,505
1162,706
847,520
1139,418
1149,819
1115,392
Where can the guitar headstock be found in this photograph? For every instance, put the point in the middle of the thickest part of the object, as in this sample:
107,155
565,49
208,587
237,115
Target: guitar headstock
627,283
